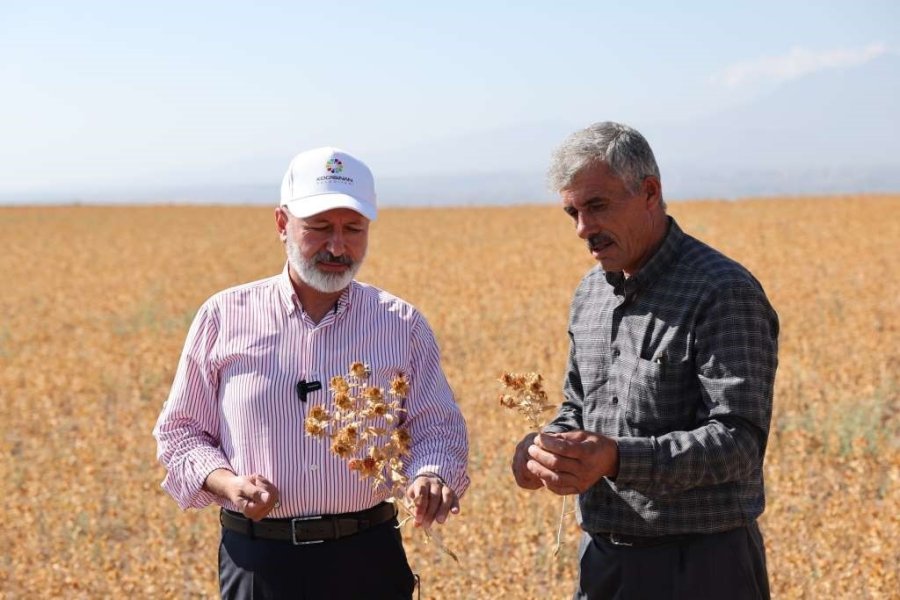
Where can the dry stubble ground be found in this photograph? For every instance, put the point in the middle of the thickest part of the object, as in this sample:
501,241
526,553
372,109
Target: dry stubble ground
95,303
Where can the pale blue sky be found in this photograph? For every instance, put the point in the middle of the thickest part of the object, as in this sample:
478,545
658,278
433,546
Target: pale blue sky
97,95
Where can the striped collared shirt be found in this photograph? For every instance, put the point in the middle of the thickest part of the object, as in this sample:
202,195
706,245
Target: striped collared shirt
234,402
677,364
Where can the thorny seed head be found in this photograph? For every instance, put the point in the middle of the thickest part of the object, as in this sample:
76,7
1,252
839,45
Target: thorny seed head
343,401
373,394
341,448
400,386
401,439
350,432
314,427
319,413
339,385
528,396
360,370
377,409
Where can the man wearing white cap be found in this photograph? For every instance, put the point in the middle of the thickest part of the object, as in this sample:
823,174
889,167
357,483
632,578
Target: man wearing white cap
231,432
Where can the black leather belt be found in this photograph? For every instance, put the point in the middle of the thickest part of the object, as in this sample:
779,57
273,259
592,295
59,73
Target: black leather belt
309,530
639,541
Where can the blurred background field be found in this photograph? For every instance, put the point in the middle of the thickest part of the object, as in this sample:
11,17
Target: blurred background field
95,303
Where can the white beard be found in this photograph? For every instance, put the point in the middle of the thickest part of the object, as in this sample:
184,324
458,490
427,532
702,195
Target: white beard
310,274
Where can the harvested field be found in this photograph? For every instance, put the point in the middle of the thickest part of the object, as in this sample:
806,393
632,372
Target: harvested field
95,303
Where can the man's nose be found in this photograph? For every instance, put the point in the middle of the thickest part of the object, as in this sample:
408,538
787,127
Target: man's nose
584,227
336,244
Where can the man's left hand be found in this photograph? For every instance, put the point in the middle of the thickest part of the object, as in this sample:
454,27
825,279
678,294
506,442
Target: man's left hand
572,461
433,499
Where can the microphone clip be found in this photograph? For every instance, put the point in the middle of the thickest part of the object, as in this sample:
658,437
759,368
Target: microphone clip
305,387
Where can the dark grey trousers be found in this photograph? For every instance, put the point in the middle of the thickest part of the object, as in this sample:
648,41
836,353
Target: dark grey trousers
729,565
371,564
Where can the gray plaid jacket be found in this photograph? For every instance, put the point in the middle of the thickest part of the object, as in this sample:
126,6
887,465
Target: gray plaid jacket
677,364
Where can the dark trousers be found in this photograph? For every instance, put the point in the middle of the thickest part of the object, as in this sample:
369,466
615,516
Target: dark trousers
371,564
729,565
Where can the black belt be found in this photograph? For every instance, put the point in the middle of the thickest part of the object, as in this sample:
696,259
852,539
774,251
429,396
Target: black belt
639,541
309,530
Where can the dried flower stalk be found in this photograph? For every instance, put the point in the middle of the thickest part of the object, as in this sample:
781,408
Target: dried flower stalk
364,431
525,394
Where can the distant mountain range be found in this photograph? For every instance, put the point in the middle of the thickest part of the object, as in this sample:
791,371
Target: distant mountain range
832,132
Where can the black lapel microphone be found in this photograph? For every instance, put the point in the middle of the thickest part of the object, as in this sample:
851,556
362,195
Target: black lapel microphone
305,387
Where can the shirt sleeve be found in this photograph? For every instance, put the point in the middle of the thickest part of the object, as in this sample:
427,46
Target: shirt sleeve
569,416
187,431
736,342
440,443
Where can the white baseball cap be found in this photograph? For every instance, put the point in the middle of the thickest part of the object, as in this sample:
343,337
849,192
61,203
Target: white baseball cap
325,178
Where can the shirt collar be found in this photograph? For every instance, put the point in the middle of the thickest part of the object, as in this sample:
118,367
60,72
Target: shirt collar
292,302
659,263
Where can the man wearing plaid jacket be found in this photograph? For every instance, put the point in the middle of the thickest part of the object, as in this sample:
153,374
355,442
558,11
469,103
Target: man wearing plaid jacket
668,394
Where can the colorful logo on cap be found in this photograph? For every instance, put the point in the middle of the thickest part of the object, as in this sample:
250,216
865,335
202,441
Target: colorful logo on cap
334,165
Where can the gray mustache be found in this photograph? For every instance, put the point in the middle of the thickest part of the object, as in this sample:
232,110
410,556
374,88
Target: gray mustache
595,241
326,256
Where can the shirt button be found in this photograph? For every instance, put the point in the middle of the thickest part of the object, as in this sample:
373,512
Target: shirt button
616,352
615,399
313,467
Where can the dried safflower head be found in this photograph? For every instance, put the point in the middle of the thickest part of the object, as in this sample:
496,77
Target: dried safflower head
369,467
507,401
528,396
314,426
350,432
535,383
319,413
343,401
401,439
377,409
359,370
400,386
341,448
373,394
339,385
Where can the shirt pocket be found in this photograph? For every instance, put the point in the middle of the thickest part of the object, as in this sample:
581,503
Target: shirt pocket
659,397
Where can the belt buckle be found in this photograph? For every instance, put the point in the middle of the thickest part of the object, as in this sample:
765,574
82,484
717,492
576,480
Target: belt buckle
617,541
294,530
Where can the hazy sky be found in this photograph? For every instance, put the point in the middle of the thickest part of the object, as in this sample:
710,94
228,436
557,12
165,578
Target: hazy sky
96,94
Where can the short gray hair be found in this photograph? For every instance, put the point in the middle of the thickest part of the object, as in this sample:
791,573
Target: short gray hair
619,146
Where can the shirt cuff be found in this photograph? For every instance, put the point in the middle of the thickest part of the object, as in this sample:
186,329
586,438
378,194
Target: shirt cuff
635,461
458,482
187,490
555,428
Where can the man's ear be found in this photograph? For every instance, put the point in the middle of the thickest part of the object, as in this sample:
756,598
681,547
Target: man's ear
652,190
281,221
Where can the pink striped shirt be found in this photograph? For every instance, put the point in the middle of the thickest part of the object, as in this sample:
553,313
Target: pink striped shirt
234,402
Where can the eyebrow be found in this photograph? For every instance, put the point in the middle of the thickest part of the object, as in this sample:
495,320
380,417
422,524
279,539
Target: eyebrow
593,200
320,221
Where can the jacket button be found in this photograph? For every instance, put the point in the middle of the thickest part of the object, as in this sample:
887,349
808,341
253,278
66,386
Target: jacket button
615,399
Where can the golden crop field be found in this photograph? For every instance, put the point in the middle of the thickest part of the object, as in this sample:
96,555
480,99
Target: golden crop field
95,303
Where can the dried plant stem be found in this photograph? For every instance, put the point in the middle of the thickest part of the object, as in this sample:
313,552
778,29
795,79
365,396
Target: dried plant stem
525,394
430,534
562,517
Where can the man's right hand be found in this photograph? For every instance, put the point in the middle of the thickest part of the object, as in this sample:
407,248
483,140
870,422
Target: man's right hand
525,478
254,495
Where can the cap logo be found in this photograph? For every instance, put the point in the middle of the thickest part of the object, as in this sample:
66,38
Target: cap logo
334,166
